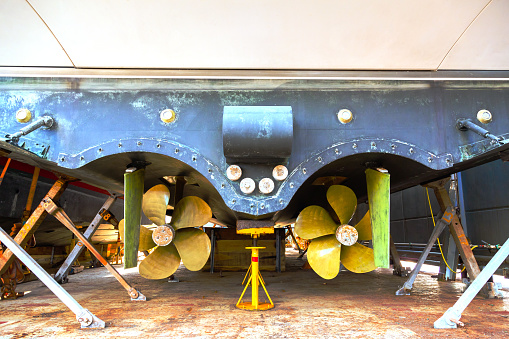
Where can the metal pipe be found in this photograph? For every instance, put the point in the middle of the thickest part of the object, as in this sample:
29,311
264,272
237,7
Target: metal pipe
451,317
44,121
442,223
84,317
467,124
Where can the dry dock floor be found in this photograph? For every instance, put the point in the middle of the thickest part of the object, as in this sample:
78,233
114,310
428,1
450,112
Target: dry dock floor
201,305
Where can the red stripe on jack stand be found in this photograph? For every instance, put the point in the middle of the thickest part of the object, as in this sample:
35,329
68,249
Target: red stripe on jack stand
254,259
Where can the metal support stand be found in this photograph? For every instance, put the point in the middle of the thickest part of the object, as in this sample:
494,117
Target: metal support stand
442,223
255,279
25,234
84,317
278,249
457,231
59,213
290,232
398,268
61,275
451,318
213,249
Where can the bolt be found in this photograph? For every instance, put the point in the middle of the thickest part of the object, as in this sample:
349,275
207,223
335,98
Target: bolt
176,150
411,151
82,158
304,171
336,151
234,172
247,185
291,185
119,144
138,143
23,115
319,159
484,116
100,149
266,185
167,116
354,146
345,116
158,145
280,172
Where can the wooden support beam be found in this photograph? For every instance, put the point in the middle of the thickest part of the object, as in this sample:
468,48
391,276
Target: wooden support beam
34,221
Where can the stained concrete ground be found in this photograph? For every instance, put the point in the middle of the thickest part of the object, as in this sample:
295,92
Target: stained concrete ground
201,305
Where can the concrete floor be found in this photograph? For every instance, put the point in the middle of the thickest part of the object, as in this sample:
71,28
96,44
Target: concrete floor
202,305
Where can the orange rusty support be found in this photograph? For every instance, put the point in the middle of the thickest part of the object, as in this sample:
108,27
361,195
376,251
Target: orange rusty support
31,194
456,229
5,170
61,216
35,220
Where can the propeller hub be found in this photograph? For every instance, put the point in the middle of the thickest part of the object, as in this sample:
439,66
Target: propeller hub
163,235
347,235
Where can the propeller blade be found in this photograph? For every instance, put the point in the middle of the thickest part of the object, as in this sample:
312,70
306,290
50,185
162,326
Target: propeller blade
324,255
193,246
313,222
190,212
133,195
121,229
379,204
161,263
363,227
343,202
155,202
146,242
357,258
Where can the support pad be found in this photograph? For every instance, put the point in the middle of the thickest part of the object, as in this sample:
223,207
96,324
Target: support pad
450,319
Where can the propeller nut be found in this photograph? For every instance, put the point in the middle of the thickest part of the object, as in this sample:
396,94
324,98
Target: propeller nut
163,235
347,235
234,172
266,185
247,185
280,172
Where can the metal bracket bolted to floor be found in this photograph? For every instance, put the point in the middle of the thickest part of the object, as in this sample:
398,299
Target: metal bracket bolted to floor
63,271
439,228
451,318
84,316
59,213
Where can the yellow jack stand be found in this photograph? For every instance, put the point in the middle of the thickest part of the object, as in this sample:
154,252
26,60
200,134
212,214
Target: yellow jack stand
255,279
